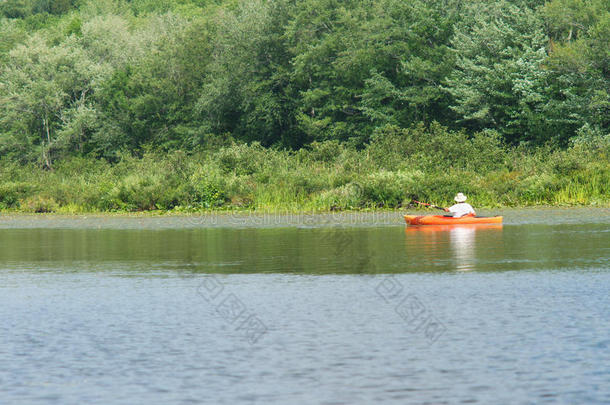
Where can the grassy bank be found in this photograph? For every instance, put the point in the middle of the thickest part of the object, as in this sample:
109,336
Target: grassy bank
398,166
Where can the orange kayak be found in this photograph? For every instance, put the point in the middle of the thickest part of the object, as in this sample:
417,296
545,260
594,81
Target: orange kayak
443,220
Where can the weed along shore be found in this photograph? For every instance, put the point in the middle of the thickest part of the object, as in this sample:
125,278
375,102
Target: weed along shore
326,176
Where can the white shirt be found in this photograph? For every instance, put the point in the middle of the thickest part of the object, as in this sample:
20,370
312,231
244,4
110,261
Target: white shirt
461,209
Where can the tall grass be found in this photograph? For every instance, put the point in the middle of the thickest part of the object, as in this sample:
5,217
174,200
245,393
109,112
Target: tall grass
427,164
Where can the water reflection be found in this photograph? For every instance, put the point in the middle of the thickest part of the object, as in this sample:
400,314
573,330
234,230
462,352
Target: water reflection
458,240
462,244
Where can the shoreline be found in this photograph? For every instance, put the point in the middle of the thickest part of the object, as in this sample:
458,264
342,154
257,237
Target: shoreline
301,220
281,211
253,212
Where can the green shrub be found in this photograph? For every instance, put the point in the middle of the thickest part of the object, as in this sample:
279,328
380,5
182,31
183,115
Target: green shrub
104,197
11,193
241,158
348,196
138,192
326,151
390,147
387,189
485,152
537,189
436,148
566,163
308,181
207,188
39,204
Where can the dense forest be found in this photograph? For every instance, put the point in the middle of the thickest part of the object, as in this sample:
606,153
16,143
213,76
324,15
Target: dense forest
150,104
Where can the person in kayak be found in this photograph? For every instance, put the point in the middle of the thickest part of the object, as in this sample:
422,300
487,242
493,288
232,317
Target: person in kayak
462,208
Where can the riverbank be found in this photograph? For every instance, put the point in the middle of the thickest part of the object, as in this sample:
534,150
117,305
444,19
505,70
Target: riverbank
152,220
399,166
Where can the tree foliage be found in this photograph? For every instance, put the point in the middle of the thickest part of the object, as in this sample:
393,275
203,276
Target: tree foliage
101,77
499,78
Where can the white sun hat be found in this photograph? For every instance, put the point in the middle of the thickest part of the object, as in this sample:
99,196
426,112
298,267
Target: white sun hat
460,198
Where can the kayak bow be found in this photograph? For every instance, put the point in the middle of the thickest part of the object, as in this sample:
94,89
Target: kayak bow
447,220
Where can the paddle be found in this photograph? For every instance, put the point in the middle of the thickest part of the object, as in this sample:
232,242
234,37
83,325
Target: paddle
430,205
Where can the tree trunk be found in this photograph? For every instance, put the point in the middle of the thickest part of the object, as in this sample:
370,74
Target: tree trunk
46,153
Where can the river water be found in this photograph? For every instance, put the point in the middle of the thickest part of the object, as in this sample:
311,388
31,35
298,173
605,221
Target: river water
305,309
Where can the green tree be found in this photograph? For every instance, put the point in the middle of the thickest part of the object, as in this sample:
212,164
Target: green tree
412,41
498,81
151,99
246,90
578,65
41,84
360,65
15,8
11,34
